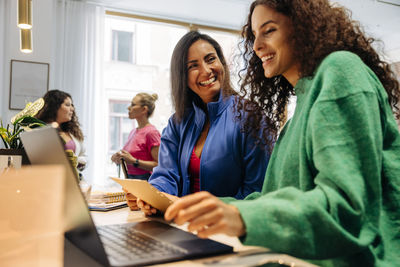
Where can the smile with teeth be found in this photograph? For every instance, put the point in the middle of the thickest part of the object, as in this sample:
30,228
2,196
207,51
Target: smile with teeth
209,81
267,57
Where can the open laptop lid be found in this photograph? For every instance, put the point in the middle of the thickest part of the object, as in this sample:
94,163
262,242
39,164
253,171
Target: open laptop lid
44,146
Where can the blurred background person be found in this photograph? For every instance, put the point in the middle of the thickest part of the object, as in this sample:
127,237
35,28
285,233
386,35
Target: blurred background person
141,150
58,107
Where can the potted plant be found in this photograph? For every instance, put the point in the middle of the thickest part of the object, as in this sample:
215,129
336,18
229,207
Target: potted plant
23,121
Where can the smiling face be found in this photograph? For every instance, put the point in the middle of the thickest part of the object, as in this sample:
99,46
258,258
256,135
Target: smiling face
136,109
65,111
273,43
205,71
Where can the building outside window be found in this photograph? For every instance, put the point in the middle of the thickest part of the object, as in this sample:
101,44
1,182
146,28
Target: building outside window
137,55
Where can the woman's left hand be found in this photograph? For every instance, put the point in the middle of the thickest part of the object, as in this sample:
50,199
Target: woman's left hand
207,215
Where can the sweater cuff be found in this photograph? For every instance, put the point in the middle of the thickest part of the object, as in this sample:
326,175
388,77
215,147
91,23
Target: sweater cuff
246,209
227,200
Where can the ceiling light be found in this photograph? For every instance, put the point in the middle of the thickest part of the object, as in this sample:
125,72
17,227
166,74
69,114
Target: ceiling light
26,41
25,14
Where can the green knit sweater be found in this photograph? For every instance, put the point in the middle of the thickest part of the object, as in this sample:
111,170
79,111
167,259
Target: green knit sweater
331,191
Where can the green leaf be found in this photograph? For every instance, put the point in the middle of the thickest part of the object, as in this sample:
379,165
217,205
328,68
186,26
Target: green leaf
4,141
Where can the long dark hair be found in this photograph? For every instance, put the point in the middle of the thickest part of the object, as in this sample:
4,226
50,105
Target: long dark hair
52,102
182,96
318,30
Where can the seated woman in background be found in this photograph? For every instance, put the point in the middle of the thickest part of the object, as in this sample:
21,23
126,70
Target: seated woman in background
141,150
58,108
331,194
203,147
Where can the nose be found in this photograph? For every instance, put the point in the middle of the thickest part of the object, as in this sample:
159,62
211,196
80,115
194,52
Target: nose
257,45
206,68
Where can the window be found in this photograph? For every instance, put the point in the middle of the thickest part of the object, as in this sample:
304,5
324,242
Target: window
122,46
149,45
119,128
120,125
149,74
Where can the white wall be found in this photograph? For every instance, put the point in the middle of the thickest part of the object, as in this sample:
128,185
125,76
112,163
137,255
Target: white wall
381,20
42,45
229,14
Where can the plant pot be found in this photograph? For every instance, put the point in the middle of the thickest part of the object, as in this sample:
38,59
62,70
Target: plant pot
18,152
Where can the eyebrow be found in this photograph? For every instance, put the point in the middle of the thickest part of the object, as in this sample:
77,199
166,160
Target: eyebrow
191,61
265,23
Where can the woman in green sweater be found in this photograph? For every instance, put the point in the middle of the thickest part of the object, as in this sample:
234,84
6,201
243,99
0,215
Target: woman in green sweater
331,192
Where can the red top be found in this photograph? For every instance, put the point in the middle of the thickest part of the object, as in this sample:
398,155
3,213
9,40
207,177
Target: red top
194,171
139,145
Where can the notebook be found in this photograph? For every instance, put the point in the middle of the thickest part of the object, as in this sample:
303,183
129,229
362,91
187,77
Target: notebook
106,201
132,244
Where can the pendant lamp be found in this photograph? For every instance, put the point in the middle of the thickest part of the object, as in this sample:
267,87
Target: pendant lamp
25,14
26,40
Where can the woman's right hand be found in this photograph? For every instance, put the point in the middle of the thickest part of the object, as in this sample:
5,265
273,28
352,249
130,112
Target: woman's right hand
131,200
116,158
148,209
145,207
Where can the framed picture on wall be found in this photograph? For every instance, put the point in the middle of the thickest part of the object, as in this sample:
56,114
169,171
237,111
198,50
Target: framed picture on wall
28,81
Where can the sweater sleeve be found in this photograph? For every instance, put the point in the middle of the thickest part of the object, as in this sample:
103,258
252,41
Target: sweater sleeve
166,176
345,141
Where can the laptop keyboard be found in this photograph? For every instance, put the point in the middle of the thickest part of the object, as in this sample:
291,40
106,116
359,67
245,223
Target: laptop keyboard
122,242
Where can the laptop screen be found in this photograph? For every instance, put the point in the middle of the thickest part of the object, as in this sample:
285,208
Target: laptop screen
44,146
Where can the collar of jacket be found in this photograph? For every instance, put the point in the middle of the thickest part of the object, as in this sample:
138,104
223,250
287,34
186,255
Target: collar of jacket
214,109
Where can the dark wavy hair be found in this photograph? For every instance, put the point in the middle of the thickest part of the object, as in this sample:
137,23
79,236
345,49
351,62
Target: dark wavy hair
52,102
319,29
182,95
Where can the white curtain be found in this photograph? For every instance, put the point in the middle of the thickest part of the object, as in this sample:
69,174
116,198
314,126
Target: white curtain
78,71
4,92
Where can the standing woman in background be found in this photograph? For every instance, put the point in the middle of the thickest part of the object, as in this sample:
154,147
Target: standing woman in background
331,194
141,150
58,107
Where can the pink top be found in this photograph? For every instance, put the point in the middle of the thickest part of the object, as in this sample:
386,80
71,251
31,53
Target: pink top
139,144
194,171
70,145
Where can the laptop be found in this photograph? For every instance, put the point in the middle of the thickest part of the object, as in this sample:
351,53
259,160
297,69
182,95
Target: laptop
128,244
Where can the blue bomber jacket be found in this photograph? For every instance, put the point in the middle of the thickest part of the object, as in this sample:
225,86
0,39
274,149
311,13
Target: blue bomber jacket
231,164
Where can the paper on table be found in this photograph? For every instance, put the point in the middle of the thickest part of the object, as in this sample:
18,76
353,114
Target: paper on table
145,191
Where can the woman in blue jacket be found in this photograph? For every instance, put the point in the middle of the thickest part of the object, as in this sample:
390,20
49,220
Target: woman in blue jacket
203,147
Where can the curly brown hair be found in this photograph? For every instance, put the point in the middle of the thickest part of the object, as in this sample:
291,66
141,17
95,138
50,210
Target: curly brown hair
319,29
52,102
